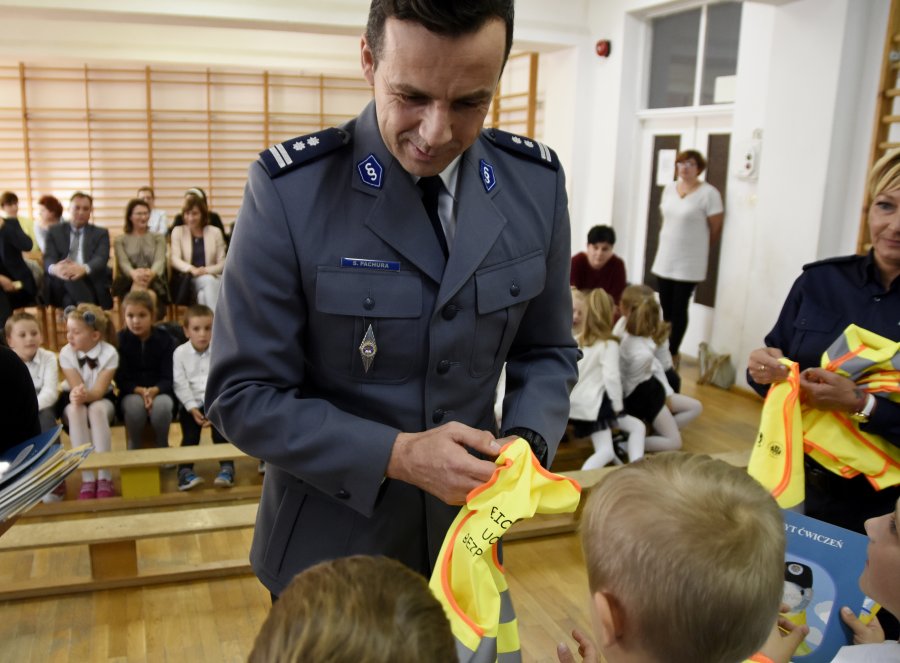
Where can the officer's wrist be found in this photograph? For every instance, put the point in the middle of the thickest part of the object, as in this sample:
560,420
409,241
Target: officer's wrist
535,441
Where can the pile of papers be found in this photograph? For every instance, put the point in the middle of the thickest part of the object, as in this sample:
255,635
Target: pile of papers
30,470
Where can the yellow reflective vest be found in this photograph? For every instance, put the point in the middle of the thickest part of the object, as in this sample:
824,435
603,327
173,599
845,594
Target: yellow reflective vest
831,438
468,578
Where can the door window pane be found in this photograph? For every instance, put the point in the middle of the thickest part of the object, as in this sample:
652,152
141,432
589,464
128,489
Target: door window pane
673,60
723,28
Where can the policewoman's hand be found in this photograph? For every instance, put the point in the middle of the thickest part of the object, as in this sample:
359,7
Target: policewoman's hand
764,366
825,390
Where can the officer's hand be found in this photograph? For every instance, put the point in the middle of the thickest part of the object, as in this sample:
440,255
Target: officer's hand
437,460
586,649
764,366
825,390
863,634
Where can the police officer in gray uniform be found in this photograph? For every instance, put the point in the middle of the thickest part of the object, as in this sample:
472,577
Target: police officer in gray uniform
362,324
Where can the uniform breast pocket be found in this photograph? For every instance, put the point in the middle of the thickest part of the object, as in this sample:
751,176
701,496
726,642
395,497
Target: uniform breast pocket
502,294
814,321
348,302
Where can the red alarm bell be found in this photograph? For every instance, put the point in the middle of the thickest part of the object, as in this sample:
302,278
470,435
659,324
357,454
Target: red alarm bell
603,48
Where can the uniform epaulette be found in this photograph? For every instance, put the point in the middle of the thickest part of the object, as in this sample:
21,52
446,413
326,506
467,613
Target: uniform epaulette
284,157
831,261
521,145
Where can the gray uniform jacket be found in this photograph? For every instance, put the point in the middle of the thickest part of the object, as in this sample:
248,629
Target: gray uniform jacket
287,383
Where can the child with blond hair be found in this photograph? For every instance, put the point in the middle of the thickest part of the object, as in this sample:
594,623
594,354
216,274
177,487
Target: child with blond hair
648,395
685,562
89,363
352,609
595,404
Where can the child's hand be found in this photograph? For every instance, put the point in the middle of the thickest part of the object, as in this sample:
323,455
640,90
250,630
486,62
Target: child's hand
863,634
784,639
586,649
78,395
148,400
199,418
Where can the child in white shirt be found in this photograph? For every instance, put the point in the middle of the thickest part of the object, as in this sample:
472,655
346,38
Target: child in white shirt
595,405
683,408
23,335
89,364
190,371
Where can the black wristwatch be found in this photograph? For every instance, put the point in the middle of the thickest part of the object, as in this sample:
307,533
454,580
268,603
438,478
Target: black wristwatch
535,441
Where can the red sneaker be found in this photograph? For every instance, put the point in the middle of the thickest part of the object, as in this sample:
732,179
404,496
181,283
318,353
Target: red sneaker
105,488
88,490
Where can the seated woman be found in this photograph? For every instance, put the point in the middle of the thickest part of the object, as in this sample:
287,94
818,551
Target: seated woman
198,256
214,219
140,256
17,284
50,212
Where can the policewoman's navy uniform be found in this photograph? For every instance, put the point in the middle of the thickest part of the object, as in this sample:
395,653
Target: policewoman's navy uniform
334,260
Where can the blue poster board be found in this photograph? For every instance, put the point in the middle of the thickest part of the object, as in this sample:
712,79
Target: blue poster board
821,575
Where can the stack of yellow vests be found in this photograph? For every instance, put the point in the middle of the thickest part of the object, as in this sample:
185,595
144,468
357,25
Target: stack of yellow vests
834,440
468,578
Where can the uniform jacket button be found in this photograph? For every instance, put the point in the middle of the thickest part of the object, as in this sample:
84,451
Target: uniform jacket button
342,494
437,416
449,312
443,366
514,289
368,303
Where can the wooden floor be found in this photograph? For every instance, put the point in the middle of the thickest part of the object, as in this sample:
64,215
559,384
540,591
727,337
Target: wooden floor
218,620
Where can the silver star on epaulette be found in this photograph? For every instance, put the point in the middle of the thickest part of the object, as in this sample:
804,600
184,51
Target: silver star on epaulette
298,146
312,142
516,140
528,143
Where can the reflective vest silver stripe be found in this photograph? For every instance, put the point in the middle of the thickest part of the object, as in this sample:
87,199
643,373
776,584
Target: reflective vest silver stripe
487,648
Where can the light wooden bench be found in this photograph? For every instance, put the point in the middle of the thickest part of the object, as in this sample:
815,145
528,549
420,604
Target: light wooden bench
112,542
139,468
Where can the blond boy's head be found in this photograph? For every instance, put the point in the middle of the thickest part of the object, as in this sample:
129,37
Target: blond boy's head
356,609
685,560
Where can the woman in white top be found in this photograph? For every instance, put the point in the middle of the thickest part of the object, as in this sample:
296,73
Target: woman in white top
692,216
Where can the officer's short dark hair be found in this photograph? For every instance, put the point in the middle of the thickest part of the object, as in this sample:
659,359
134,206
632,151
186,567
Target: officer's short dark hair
8,198
450,19
599,234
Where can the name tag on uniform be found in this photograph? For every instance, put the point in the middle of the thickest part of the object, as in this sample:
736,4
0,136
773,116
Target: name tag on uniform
368,263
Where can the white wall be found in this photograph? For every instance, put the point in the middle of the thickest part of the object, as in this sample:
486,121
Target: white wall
815,110
807,77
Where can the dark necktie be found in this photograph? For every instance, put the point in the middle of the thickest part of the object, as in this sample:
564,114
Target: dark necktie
431,189
90,361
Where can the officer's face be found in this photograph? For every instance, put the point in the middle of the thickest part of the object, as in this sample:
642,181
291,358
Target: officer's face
432,92
884,228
